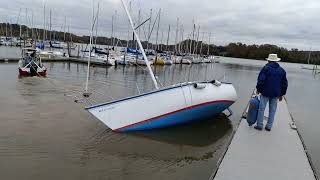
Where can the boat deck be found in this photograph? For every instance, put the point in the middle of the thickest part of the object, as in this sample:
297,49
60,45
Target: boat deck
263,155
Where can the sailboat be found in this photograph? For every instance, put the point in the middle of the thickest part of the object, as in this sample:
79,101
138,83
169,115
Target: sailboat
98,57
164,107
95,53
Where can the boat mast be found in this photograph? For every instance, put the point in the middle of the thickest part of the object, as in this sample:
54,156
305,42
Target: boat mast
157,35
181,47
32,31
209,44
161,42
191,43
50,27
86,94
19,23
168,37
6,29
128,35
158,31
149,29
176,38
64,29
112,19
44,21
27,23
200,53
309,56
11,32
97,17
70,35
139,21
140,45
195,49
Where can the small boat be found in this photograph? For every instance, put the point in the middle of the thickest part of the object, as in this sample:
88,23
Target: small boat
6,41
159,61
208,59
196,59
100,51
179,104
186,60
176,59
163,59
108,60
180,60
30,64
47,54
167,59
138,60
60,45
2,40
122,60
142,62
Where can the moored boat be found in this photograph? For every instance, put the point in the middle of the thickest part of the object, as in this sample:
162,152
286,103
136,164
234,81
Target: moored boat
163,59
196,59
48,54
30,64
186,60
159,61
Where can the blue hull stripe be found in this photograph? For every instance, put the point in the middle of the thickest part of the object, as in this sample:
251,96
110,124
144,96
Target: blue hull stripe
187,115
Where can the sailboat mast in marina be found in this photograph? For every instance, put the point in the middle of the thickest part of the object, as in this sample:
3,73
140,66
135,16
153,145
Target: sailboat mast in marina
166,106
86,93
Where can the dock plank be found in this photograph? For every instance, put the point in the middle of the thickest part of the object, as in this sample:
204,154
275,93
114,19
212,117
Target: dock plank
263,155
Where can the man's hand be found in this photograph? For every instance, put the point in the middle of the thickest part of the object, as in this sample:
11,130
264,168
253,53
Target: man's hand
280,98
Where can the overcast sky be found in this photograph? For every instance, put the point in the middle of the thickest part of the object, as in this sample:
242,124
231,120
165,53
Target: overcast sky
288,23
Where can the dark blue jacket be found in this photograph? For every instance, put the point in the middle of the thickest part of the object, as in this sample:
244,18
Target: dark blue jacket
272,81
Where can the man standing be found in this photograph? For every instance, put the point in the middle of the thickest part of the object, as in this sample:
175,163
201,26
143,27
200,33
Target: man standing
272,85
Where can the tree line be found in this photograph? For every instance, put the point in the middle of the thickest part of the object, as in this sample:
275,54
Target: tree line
236,50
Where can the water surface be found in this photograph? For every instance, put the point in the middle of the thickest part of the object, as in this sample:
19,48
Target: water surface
45,134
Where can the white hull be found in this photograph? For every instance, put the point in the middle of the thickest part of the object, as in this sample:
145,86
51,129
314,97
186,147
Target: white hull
110,61
186,61
197,60
176,59
166,107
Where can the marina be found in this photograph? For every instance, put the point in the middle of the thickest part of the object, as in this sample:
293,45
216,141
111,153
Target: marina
158,90
188,152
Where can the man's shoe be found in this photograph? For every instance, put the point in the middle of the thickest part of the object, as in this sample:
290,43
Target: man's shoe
267,129
258,128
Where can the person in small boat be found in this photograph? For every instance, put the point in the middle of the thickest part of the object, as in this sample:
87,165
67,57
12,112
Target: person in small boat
28,59
272,85
33,54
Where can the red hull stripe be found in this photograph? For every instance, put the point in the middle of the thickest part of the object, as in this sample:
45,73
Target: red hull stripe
167,114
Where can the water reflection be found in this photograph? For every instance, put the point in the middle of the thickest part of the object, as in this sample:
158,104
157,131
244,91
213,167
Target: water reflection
175,146
197,134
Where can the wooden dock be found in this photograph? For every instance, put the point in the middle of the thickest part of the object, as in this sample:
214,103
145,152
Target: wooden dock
277,155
